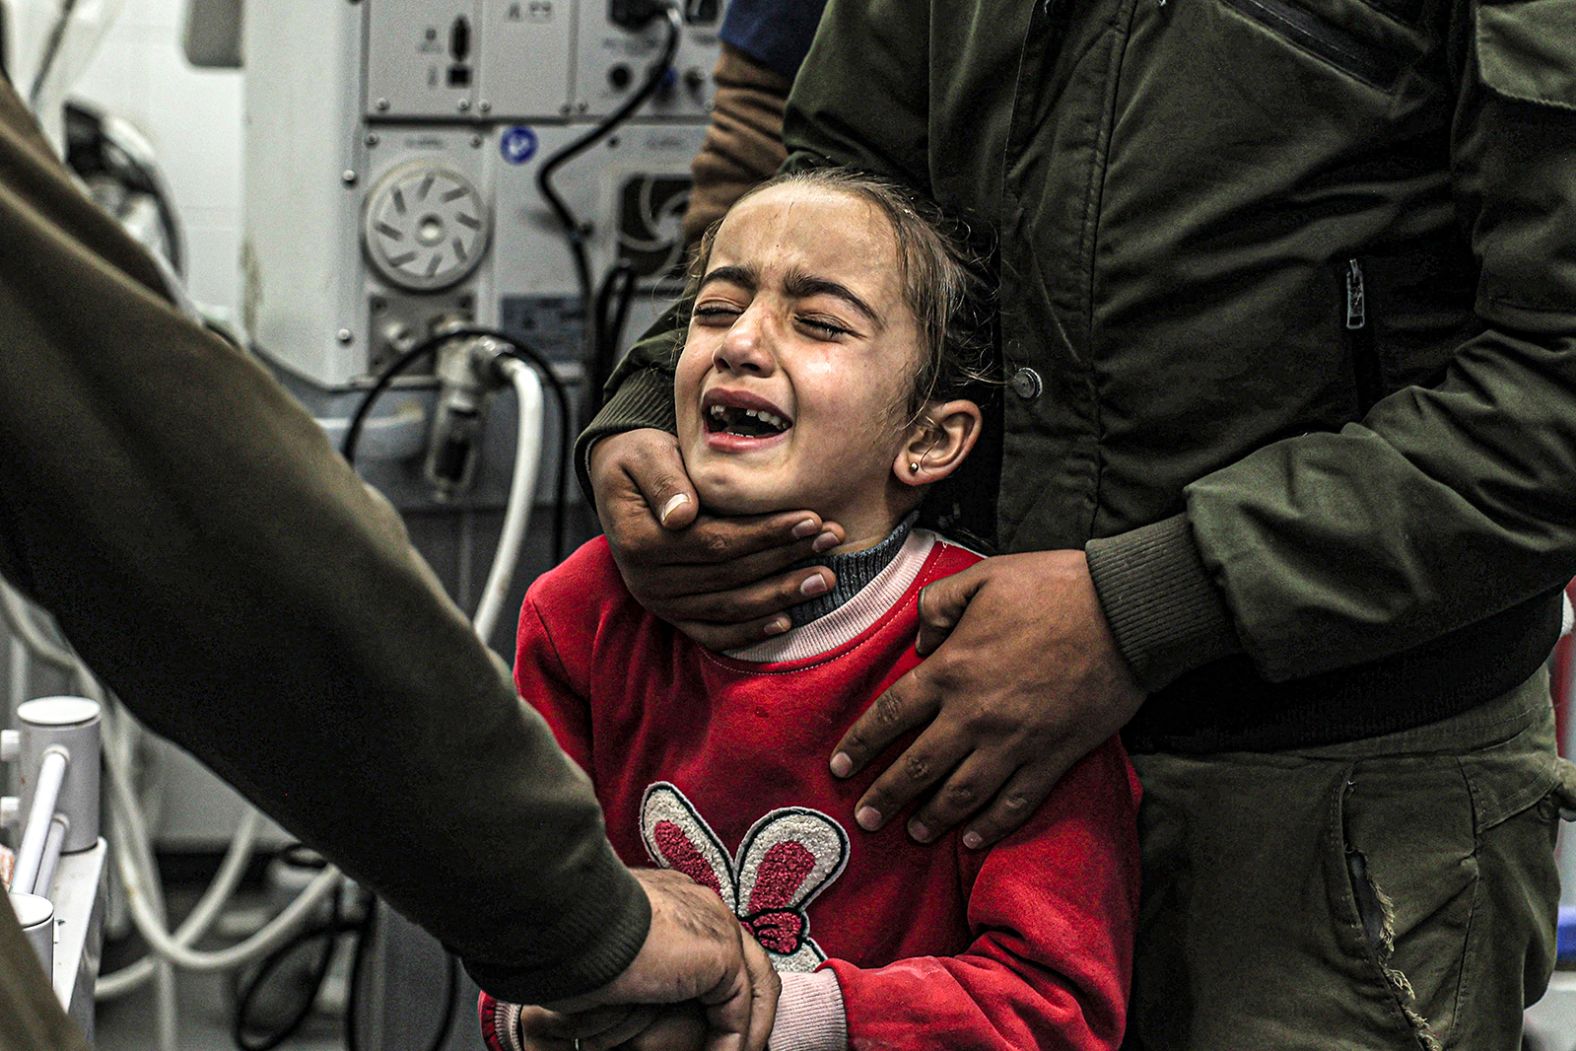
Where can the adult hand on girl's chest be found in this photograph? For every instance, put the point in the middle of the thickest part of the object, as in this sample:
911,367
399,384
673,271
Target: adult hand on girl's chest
1022,680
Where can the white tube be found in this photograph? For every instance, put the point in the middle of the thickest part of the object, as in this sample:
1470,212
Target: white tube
30,856
208,908
122,733
166,1000
127,858
52,844
37,916
522,493
278,930
19,617
19,671
139,874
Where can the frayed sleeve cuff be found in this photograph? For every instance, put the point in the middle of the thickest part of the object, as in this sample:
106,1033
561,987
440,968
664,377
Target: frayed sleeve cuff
500,1021
810,1014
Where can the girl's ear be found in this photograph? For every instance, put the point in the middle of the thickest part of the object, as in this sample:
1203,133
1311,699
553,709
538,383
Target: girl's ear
938,443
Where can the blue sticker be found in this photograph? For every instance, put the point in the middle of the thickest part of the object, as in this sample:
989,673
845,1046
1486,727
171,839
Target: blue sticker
518,144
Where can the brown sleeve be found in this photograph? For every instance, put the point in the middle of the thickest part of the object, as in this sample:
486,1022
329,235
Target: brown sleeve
744,142
222,568
30,1016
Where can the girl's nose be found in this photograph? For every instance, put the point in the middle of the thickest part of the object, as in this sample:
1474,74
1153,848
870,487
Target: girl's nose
747,346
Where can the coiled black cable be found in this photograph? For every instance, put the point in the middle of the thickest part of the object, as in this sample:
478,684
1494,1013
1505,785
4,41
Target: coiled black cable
573,229
358,961
364,931
329,932
516,349
613,300
52,46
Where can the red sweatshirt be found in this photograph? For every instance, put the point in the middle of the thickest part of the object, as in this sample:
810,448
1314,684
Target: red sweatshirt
716,765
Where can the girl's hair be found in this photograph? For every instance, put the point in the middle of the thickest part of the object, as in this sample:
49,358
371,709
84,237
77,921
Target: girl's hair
943,277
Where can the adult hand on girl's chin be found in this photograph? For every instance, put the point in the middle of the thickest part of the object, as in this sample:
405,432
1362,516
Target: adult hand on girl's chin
1022,680
721,581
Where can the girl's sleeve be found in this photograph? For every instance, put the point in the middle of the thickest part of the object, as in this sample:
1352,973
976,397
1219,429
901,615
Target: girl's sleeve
1052,910
544,678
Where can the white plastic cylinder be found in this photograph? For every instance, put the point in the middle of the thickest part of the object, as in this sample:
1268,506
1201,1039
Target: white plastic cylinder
47,781
37,917
45,880
70,723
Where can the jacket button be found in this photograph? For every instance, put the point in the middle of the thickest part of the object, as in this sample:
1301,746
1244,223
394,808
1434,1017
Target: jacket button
1026,384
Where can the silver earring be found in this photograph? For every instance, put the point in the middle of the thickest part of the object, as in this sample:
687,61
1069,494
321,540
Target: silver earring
913,467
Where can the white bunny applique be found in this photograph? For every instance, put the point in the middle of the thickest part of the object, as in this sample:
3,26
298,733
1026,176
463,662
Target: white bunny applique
786,859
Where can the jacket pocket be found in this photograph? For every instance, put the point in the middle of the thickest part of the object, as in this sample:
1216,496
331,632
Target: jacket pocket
1527,51
1324,40
1357,328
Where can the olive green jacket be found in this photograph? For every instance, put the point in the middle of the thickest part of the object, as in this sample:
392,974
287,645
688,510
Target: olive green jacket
1288,313
248,597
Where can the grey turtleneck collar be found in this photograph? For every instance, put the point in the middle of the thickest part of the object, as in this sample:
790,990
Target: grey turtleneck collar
854,570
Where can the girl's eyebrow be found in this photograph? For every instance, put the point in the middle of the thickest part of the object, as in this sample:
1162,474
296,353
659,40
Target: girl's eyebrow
797,284
746,277
801,285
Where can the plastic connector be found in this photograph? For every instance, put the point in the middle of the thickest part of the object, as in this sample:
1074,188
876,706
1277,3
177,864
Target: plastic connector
10,745
469,373
487,358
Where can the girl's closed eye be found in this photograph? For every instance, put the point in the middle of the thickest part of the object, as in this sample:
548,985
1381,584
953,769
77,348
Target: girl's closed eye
715,313
824,328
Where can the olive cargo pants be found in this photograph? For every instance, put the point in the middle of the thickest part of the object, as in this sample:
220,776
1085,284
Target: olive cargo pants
1393,893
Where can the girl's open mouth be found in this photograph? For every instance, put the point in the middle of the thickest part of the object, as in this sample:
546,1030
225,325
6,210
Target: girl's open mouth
739,414
748,423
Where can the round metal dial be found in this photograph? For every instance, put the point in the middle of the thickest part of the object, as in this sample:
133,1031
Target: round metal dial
425,226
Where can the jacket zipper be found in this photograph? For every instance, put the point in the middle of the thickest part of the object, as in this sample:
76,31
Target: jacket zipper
1360,339
1369,64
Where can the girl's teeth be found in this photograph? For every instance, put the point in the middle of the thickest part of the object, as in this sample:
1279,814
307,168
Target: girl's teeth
720,413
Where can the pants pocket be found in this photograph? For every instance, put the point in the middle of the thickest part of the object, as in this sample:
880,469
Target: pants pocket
1563,794
1408,887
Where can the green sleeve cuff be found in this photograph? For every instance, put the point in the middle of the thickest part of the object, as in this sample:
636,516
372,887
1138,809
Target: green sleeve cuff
644,399
1165,611
601,931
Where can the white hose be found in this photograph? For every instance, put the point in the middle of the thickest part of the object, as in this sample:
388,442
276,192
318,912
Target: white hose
52,849
122,806
19,670
166,1001
139,873
522,493
278,930
135,862
51,775
207,910
19,619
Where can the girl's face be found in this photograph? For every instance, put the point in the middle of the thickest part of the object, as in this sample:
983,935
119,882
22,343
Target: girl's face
793,387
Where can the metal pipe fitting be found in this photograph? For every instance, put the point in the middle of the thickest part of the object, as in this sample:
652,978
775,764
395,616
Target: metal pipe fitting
47,783
70,724
37,917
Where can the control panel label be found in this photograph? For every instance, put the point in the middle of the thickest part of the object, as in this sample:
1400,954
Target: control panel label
517,144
